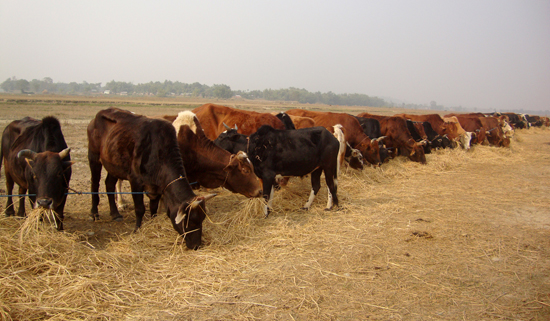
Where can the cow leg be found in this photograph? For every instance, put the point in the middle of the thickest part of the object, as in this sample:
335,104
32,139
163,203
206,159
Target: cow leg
119,198
95,168
315,186
268,187
154,205
332,185
9,189
110,186
138,203
21,210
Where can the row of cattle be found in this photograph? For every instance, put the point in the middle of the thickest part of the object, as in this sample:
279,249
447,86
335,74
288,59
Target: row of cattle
162,156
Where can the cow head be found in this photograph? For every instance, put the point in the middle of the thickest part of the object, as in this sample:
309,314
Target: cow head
240,176
465,140
417,154
354,157
189,218
370,150
47,176
232,141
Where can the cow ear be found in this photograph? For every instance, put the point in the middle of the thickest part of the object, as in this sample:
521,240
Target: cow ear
181,215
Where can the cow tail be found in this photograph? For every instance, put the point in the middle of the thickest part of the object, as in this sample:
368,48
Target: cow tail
339,134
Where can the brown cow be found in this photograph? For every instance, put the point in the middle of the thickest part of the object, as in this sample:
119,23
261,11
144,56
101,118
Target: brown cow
302,122
494,132
472,123
353,131
399,137
210,165
145,152
214,117
36,157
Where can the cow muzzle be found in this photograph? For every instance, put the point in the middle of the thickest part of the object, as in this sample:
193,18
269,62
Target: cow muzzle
45,203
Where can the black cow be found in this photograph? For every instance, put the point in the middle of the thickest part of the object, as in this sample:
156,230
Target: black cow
289,153
36,157
437,141
286,120
371,127
417,137
145,152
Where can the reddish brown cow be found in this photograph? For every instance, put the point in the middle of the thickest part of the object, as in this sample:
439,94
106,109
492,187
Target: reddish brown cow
472,123
398,136
353,131
145,152
302,122
494,132
214,117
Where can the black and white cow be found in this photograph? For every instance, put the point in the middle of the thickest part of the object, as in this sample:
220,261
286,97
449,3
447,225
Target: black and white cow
289,153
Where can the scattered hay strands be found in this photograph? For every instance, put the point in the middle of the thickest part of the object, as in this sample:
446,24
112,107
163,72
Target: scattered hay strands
405,243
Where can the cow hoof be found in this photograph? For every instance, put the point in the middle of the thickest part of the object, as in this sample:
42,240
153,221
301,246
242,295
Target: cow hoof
117,218
94,217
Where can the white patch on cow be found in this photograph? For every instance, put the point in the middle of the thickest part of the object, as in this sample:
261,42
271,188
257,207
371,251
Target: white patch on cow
185,118
181,215
507,129
269,201
465,140
310,200
339,134
330,201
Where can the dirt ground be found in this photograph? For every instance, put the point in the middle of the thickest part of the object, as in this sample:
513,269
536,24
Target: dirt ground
465,237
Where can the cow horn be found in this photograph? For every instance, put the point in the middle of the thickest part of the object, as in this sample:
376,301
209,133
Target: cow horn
380,138
64,153
27,153
236,128
241,156
226,127
196,203
349,145
181,215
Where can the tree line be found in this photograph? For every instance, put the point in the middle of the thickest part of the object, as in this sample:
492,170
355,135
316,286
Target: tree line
176,88
221,91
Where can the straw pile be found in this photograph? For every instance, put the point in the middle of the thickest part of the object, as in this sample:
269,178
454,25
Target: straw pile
464,237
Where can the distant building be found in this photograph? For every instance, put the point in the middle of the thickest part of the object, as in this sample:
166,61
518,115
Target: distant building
107,92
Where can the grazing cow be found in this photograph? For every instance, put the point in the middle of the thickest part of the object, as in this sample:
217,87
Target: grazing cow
464,137
290,153
493,131
437,141
36,157
472,123
214,119
352,130
210,165
354,159
371,127
419,136
145,152
399,137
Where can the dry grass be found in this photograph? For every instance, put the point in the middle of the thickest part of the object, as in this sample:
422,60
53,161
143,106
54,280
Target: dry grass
466,236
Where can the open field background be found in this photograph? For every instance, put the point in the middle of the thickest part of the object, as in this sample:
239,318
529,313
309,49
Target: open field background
465,237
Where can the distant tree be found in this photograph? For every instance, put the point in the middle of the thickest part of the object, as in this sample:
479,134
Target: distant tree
222,91
22,85
8,85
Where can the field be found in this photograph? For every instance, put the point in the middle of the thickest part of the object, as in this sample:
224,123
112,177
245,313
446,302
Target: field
465,237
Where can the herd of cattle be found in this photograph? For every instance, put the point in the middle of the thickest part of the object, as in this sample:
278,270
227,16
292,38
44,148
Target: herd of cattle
246,152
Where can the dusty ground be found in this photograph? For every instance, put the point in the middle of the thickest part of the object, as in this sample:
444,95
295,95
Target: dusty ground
464,237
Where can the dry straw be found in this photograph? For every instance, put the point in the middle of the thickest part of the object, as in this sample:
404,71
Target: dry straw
404,244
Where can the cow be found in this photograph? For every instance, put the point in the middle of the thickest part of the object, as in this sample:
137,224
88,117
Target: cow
36,157
371,127
214,119
493,131
399,137
285,119
419,135
290,153
352,130
472,123
302,122
464,137
210,165
437,141
145,152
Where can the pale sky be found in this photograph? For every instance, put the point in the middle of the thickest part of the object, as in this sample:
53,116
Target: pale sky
491,54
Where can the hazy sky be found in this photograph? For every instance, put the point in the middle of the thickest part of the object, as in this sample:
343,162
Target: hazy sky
484,54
